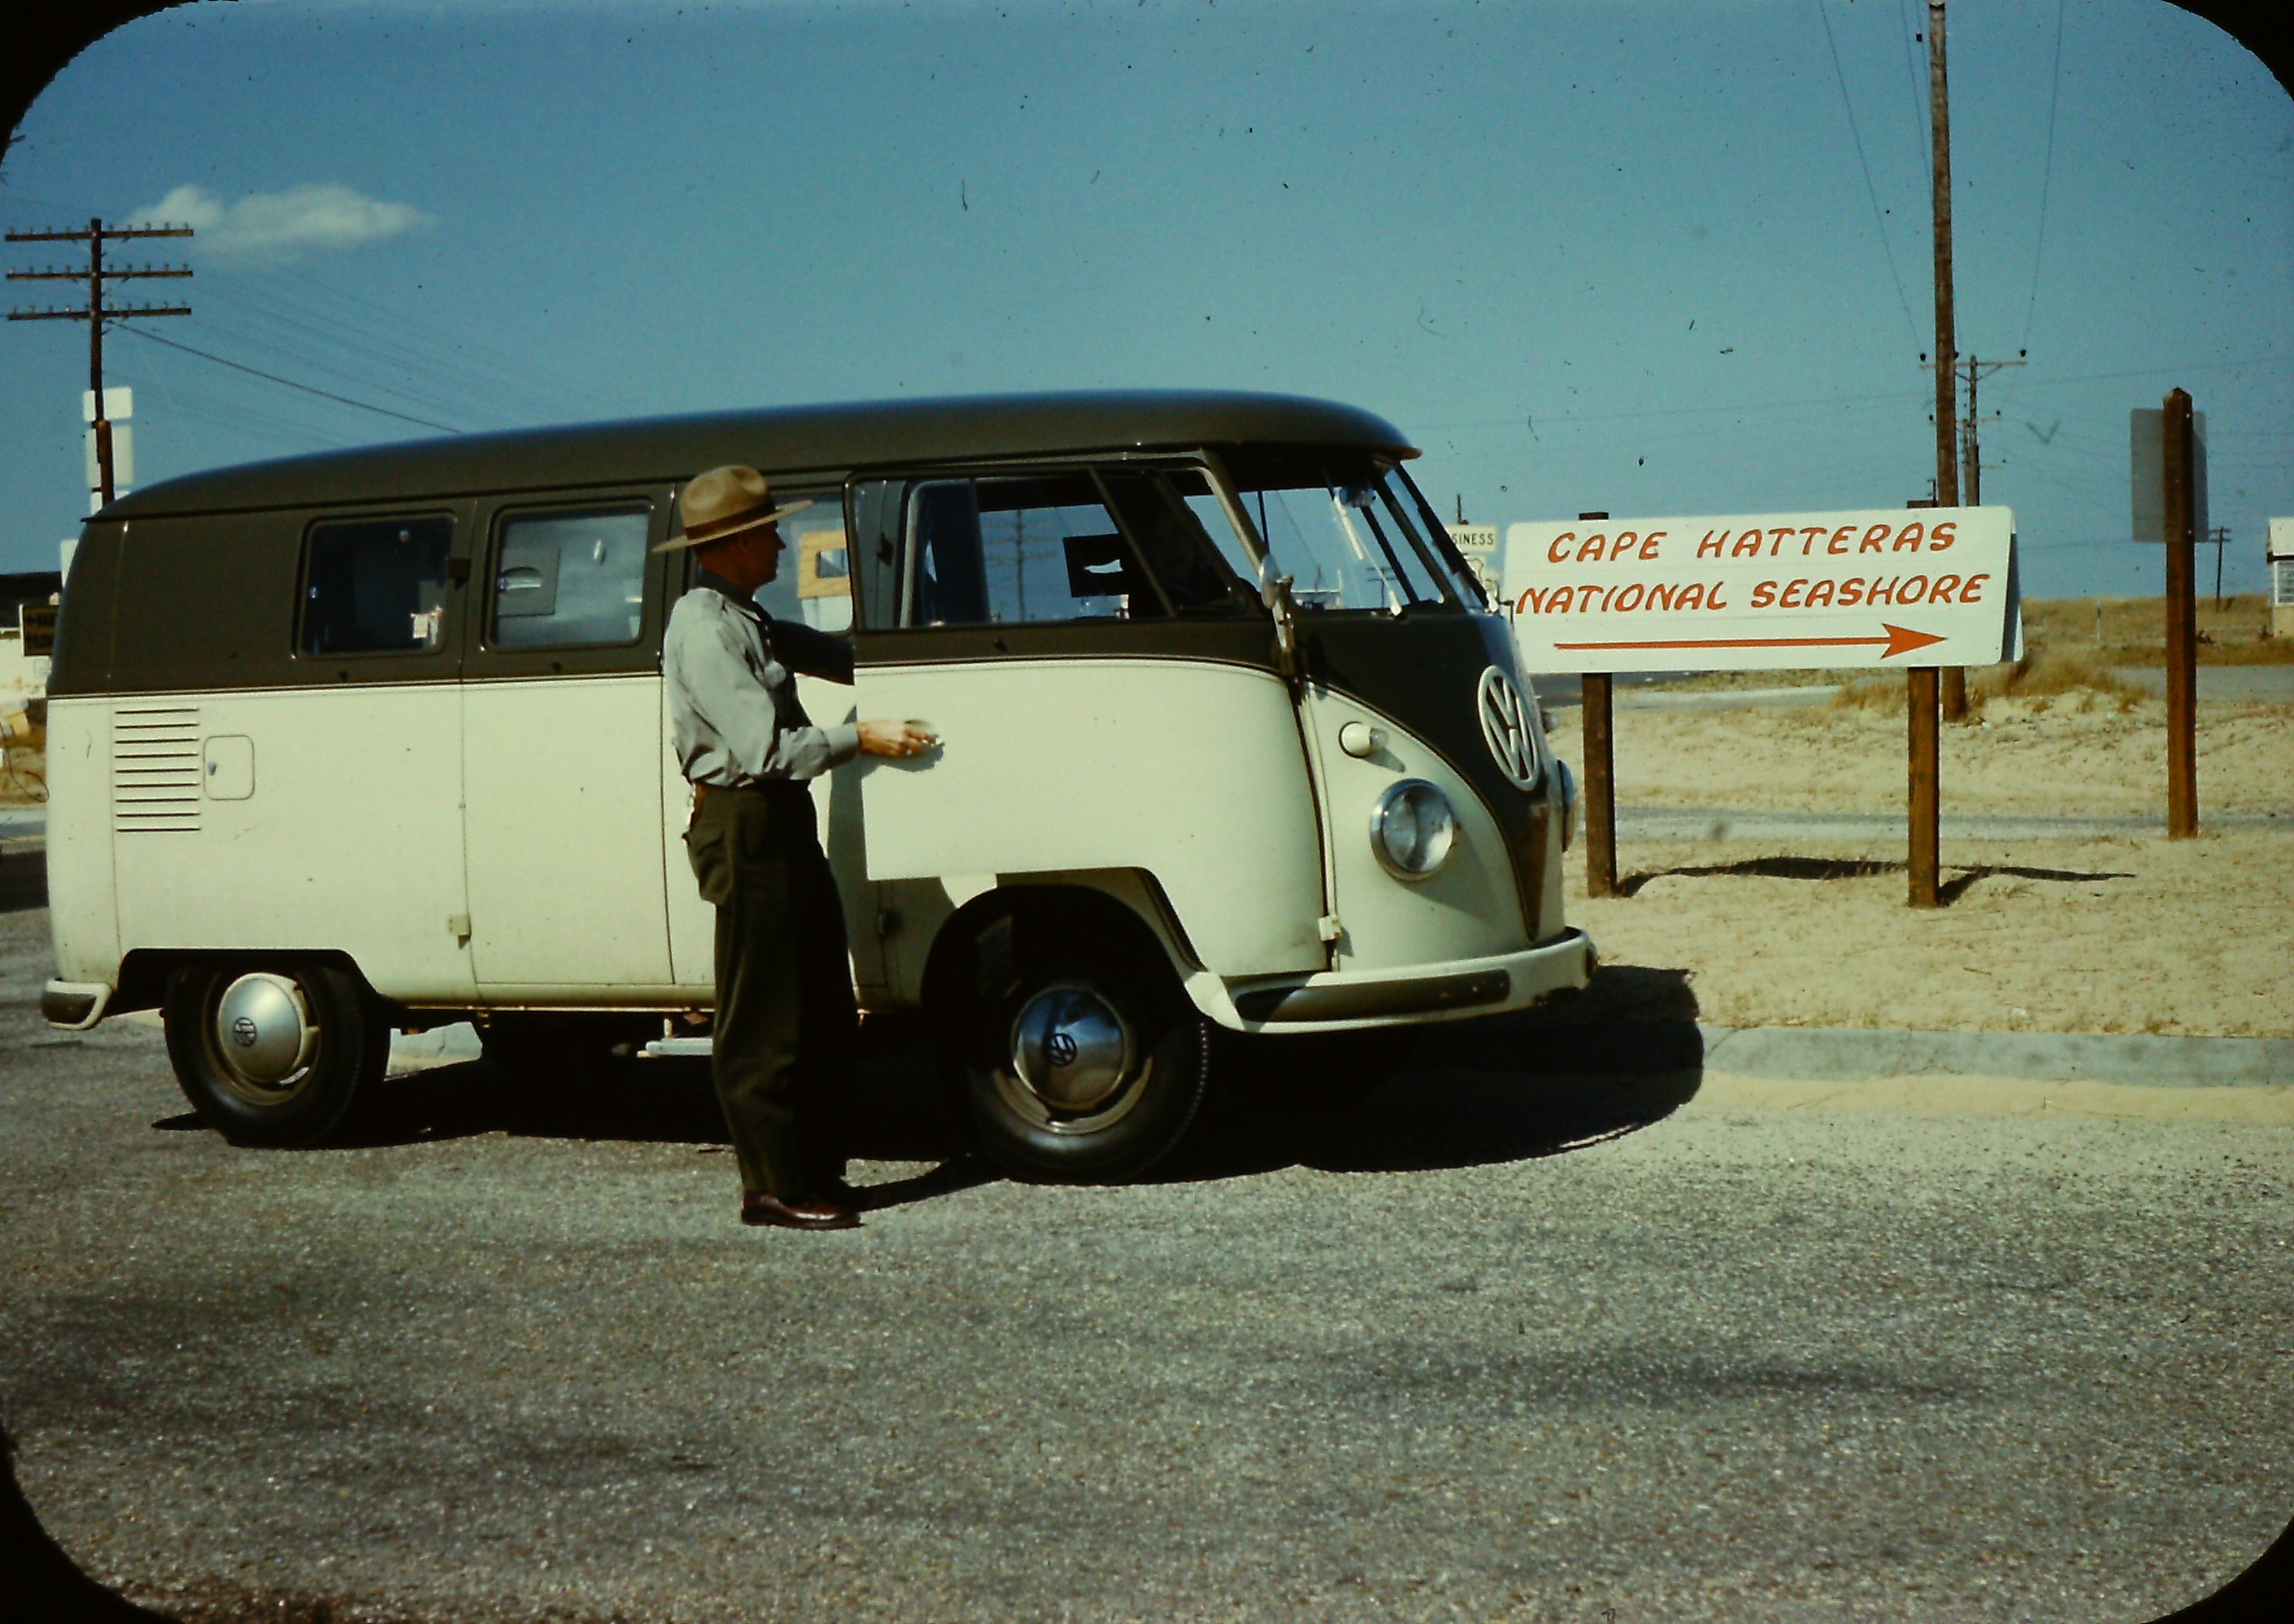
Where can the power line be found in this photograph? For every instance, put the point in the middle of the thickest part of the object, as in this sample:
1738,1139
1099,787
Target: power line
1857,136
2046,174
290,383
1907,33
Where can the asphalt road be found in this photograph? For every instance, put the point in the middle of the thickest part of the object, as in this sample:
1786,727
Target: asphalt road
1558,1325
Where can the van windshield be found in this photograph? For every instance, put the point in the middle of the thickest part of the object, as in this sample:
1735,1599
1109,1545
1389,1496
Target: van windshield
1350,533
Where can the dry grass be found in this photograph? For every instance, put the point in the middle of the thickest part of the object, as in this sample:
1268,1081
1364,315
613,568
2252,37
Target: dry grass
2133,631
24,768
2039,678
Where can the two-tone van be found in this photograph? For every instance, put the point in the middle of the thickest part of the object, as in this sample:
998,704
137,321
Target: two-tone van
376,741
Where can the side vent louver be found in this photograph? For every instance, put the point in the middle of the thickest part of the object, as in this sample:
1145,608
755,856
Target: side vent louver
155,768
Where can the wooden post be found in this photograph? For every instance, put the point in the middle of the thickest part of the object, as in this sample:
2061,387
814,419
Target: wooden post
1600,787
2179,490
1600,775
1923,684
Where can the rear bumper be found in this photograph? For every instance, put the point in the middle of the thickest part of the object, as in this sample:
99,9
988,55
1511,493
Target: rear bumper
1339,1001
74,1005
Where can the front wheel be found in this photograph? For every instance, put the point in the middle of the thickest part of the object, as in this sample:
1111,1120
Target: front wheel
274,1056
1084,1062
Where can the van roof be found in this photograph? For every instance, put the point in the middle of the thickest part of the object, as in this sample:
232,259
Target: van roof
782,440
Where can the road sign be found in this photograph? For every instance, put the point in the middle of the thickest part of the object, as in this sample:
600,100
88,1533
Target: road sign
118,405
123,458
2146,474
35,626
1931,586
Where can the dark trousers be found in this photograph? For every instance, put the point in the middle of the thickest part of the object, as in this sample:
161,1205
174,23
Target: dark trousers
787,1026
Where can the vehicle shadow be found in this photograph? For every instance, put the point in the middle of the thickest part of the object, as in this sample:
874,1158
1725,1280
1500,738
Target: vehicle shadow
1622,1054
23,881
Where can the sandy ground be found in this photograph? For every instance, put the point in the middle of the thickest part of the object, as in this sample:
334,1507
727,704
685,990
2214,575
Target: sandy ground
2126,933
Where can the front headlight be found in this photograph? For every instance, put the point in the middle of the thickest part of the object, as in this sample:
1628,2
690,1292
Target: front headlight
1413,829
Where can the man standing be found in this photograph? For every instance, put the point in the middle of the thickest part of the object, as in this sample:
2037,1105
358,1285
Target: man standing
786,1022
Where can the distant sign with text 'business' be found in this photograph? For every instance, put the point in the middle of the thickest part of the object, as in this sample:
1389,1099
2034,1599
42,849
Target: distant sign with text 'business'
1893,586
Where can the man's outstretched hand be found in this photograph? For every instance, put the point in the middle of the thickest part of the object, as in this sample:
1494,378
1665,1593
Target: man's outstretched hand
894,739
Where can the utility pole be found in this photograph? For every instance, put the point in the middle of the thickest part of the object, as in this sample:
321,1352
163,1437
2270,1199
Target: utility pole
1923,682
1970,463
2221,535
98,312
1971,458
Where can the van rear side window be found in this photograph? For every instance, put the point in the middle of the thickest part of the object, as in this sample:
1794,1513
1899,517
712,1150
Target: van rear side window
376,586
564,580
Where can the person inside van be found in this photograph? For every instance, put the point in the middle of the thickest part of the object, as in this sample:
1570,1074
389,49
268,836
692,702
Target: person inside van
788,1023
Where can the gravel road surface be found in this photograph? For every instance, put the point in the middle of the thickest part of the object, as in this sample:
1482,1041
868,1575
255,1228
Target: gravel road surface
1519,1337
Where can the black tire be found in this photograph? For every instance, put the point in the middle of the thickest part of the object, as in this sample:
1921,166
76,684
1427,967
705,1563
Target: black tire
1048,961
347,1050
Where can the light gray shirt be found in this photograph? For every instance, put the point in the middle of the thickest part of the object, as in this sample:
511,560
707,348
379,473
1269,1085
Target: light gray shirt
733,710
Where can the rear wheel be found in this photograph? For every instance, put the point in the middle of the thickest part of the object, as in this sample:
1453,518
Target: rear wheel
274,1055
1081,1056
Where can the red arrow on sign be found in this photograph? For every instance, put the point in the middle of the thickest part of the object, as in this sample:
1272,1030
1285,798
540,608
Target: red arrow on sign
1899,640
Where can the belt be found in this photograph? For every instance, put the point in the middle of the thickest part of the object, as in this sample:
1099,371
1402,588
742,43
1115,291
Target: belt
780,789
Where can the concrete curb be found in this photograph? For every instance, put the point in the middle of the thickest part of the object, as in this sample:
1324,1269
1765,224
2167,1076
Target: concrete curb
1807,1054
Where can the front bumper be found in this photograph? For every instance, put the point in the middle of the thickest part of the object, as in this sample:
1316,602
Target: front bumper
74,1005
1341,1001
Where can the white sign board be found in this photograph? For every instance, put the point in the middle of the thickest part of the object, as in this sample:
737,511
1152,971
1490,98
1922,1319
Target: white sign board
118,405
2146,474
123,458
1890,586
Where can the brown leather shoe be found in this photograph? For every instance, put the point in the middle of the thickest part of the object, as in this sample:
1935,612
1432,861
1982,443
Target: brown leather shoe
807,1212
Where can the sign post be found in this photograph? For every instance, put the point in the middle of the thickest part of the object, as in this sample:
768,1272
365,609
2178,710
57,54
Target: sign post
2179,482
2166,470
1763,592
1595,699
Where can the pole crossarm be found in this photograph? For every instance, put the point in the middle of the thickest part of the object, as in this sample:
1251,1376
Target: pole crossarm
109,275
108,313
110,233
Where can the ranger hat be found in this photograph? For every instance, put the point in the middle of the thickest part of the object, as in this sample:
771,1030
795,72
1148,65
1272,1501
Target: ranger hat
724,502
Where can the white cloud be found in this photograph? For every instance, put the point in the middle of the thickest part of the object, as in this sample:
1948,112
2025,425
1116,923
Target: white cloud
283,225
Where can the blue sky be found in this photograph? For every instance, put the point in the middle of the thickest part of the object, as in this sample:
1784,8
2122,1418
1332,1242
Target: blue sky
1589,255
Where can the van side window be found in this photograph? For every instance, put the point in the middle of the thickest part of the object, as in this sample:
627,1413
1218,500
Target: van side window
566,580
814,585
376,586
1059,547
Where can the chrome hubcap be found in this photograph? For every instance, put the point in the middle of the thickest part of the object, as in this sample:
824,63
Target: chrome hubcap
264,1032
1073,1055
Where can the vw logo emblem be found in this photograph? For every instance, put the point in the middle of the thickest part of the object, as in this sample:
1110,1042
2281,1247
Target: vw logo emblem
243,1033
1505,726
1060,1049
